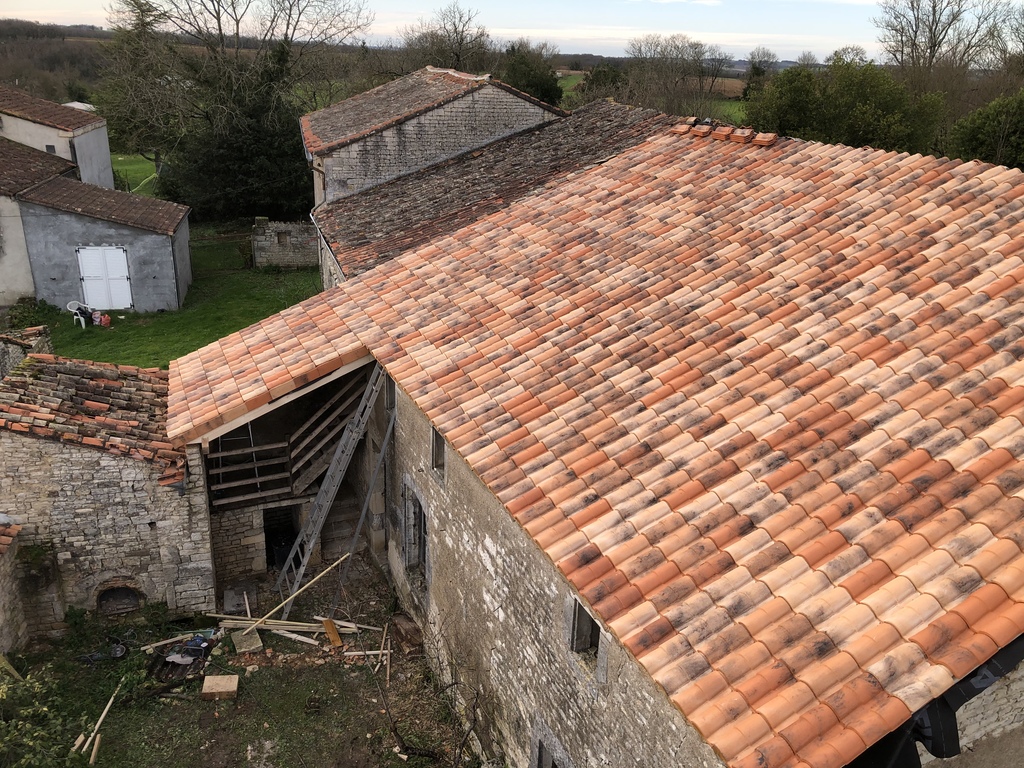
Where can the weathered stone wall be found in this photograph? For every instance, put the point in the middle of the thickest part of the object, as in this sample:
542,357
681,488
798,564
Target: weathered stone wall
13,624
997,710
284,244
12,352
495,610
107,521
239,543
466,123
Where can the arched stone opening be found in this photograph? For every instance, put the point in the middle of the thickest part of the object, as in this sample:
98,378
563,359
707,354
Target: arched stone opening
119,598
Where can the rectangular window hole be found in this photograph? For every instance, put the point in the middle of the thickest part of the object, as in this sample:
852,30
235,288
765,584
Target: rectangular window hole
437,451
586,632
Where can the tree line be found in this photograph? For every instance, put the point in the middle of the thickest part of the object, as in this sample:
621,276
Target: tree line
213,90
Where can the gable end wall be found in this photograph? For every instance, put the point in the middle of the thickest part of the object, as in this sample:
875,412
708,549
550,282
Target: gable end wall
98,519
466,123
495,611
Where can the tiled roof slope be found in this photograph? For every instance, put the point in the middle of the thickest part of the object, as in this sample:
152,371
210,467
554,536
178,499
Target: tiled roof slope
762,406
26,338
8,533
120,409
21,167
405,213
98,202
14,101
390,104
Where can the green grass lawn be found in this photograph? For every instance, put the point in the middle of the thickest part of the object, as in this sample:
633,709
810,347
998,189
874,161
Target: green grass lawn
225,296
732,111
569,82
139,172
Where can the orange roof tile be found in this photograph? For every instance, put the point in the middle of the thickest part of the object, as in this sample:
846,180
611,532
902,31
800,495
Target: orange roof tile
759,401
115,408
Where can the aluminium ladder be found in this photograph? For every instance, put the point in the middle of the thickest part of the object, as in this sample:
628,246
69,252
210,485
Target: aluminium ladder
291,573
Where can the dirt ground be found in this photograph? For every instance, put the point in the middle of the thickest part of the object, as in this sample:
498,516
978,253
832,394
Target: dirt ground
298,705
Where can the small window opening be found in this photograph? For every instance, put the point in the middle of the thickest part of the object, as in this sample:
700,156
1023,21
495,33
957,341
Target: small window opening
416,533
282,238
586,632
51,149
390,394
437,452
544,757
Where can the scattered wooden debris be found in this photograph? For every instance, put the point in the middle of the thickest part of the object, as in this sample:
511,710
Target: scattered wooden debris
331,630
149,648
5,666
298,592
95,749
348,626
293,636
99,722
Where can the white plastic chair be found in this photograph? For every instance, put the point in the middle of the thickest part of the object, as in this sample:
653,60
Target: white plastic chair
78,317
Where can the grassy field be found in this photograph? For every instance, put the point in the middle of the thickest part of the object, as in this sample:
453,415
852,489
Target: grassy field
732,111
138,171
569,82
225,296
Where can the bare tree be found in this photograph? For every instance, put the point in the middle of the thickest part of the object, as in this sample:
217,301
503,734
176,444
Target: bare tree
807,60
923,36
674,73
203,81
762,63
452,38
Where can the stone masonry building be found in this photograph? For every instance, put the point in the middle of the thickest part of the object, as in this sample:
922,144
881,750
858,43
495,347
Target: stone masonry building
710,453
411,123
110,513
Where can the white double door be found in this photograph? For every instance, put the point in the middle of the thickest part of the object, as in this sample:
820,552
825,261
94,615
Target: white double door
106,283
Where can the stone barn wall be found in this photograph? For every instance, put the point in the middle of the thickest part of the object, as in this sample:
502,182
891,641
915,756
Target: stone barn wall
996,711
239,543
466,123
13,625
495,611
103,521
284,244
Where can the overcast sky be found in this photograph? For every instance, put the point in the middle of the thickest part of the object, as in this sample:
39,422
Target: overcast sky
596,26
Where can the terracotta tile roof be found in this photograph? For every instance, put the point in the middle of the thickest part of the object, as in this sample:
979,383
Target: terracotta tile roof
21,167
393,103
8,533
761,405
25,338
405,213
98,202
115,408
14,101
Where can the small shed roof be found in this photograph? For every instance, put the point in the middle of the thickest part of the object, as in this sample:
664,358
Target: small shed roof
97,202
120,409
393,103
16,102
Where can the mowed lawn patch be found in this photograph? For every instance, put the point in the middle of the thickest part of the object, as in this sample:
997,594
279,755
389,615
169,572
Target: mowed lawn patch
225,297
139,172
